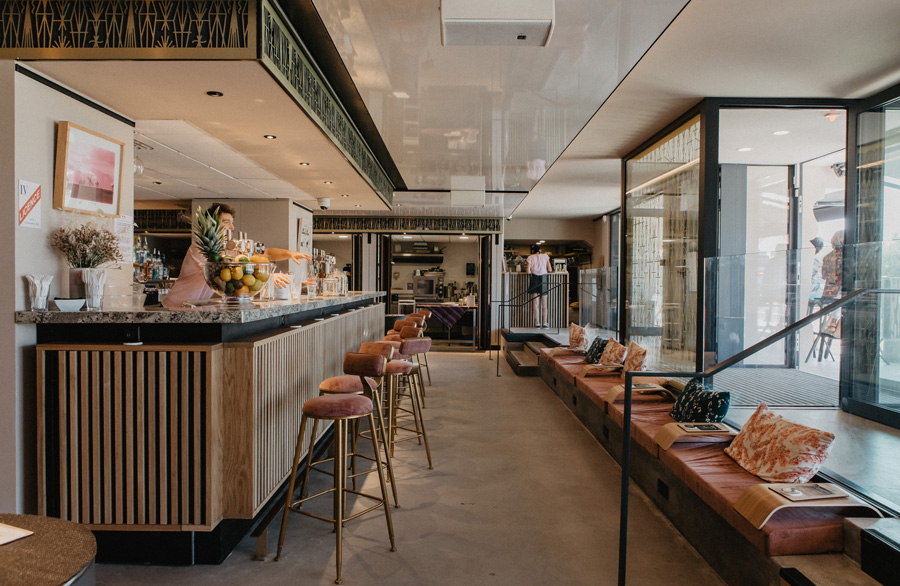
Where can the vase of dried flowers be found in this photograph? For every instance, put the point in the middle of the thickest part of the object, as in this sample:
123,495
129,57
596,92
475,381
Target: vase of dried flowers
85,247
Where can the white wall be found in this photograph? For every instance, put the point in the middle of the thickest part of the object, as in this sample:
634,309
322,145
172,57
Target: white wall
534,230
30,112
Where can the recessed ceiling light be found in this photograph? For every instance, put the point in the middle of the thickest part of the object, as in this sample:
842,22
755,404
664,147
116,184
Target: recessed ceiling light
270,136
359,205
343,236
744,150
214,94
304,164
401,95
781,132
521,37
157,183
328,182
345,195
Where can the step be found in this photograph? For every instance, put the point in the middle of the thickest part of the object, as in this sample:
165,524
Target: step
534,347
523,363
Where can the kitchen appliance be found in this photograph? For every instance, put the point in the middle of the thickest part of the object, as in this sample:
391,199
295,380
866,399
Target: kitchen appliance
428,287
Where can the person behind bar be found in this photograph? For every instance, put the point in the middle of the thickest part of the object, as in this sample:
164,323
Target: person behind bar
191,285
539,267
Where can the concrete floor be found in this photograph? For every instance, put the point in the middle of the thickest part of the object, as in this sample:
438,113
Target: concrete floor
520,494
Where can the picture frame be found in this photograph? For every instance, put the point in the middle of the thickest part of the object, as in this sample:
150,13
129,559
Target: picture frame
88,175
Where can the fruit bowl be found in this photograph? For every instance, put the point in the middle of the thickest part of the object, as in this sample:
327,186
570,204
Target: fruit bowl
237,281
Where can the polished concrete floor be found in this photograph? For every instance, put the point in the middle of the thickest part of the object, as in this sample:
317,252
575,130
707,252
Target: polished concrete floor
520,494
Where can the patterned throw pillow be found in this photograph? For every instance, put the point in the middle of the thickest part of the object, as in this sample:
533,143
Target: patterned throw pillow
698,403
577,338
778,450
635,358
596,350
614,353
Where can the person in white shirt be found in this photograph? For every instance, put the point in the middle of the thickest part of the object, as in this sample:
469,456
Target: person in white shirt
539,267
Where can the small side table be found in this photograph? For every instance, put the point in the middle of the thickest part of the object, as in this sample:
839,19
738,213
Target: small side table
59,552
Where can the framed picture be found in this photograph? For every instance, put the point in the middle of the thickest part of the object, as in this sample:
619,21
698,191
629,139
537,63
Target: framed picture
88,171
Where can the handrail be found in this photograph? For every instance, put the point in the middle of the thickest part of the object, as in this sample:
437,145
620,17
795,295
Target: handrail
740,356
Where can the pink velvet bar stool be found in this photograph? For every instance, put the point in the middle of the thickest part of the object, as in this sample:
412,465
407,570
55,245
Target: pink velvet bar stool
342,409
405,369
425,315
351,383
399,325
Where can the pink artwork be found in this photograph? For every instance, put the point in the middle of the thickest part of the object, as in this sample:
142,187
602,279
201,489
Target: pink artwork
88,171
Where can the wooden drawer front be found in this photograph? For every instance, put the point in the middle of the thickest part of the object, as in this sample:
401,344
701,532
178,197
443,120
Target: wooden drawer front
127,437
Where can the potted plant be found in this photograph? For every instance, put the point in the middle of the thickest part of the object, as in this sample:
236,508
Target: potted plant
85,247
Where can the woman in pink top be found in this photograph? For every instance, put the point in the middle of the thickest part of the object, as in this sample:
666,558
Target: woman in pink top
538,268
191,285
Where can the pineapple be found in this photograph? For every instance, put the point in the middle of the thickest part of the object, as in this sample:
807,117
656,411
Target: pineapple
209,234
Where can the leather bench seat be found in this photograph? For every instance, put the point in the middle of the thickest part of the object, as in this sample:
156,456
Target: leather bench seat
719,481
704,468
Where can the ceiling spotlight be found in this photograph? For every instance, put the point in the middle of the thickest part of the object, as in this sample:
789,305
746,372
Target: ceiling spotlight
304,164
328,182
270,136
343,236
521,37
781,132
345,195
214,94
744,150
463,237
840,169
359,205
157,183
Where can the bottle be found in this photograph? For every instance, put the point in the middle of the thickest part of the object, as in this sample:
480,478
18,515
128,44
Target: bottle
165,269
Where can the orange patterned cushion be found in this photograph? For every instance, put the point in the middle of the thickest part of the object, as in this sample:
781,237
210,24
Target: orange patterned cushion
778,450
635,359
613,353
577,338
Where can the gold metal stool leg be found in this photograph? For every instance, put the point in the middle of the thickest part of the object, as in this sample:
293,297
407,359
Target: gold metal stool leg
425,360
384,498
290,493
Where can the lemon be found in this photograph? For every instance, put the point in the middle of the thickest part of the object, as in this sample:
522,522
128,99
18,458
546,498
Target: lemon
249,280
237,273
262,275
225,275
242,291
257,286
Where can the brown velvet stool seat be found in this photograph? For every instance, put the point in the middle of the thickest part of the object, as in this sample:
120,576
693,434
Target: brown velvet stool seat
346,383
399,325
342,409
407,371
426,315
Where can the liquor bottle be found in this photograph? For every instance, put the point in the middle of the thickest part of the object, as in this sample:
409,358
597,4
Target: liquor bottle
164,273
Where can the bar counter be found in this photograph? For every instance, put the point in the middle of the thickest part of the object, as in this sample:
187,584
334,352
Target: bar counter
170,433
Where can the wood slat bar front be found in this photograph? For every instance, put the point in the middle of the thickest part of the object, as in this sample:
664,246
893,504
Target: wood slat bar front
286,368
178,437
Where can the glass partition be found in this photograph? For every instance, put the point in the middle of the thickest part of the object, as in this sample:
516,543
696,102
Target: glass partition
662,192
598,292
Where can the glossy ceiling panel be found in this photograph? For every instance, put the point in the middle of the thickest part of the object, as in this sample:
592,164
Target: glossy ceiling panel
503,112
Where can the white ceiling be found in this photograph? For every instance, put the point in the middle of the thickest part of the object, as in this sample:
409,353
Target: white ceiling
169,102
732,48
493,110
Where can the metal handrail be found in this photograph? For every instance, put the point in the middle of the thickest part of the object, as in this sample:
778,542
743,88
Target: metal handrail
737,358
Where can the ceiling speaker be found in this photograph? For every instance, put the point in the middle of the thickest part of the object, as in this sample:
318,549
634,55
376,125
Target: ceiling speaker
497,22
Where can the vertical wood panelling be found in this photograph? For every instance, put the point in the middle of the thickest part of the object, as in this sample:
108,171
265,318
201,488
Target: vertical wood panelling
134,437
179,437
287,368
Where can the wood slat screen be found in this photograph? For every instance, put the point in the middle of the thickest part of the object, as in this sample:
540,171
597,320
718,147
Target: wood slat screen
286,371
515,287
128,436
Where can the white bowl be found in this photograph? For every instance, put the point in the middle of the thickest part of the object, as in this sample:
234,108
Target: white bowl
69,304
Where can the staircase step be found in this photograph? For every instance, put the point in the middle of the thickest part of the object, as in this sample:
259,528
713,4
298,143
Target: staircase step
535,347
524,363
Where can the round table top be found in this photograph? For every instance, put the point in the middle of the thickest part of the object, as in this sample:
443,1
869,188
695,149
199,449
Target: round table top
55,554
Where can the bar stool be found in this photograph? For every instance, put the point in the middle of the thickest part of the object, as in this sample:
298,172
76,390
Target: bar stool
354,383
399,325
406,369
425,314
410,332
342,409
